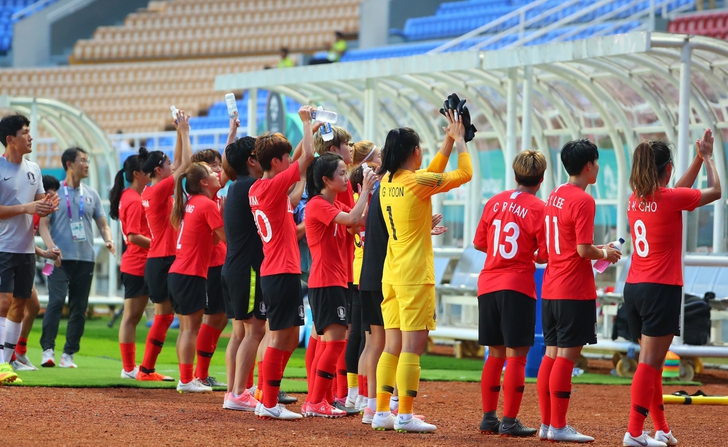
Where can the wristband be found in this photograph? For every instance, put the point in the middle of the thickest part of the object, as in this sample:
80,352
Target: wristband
604,250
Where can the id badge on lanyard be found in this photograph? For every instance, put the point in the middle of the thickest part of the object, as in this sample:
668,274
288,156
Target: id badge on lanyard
77,231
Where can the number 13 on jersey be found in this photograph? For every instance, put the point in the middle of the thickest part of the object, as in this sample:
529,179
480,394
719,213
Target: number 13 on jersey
510,231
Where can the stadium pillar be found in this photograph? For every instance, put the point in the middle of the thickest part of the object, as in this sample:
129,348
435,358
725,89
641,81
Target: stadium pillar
527,112
683,149
511,124
253,111
371,107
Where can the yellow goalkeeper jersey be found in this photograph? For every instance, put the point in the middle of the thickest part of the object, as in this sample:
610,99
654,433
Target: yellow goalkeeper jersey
407,209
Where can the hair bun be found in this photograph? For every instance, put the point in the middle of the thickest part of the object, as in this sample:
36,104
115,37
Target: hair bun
143,154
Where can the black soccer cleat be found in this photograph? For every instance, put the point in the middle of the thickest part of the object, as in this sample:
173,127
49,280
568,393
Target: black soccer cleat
490,426
516,430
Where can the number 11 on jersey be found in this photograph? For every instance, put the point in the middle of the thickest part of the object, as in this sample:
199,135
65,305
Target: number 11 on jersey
557,249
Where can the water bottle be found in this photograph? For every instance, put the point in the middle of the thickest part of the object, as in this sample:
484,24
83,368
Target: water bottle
48,267
175,112
327,133
232,106
602,264
324,116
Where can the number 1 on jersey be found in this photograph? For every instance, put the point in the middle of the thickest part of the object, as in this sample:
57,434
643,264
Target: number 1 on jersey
557,249
391,222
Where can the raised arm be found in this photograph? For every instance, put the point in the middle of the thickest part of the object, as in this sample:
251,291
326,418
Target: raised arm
183,148
356,215
705,150
299,147
307,143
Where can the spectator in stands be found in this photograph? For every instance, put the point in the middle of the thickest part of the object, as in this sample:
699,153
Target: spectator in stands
21,196
653,290
285,62
338,48
700,4
69,229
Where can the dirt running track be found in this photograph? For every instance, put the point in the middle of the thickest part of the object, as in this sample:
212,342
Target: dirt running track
109,417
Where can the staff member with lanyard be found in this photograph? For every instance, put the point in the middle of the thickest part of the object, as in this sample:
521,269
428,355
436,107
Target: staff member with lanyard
69,229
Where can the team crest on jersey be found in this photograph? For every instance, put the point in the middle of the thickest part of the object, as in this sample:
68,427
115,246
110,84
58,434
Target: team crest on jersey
341,312
31,178
263,310
300,311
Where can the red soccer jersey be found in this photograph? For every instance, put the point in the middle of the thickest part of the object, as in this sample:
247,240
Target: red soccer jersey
133,221
346,198
157,202
273,216
196,233
219,251
656,227
327,241
511,230
569,222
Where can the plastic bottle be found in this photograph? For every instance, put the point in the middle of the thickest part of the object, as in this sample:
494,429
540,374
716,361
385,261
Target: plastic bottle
324,116
174,111
602,264
232,106
48,267
327,133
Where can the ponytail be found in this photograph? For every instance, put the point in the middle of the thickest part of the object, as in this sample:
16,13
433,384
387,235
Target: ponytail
131,164
115,195
193,175
649,165
398,146
180,199
322,166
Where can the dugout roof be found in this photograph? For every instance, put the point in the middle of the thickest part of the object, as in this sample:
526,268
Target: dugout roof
616,90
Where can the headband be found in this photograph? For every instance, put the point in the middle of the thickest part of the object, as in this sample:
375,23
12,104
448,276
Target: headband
369,154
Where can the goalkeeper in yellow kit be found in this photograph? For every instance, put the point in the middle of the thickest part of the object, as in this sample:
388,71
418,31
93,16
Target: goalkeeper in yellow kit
408,282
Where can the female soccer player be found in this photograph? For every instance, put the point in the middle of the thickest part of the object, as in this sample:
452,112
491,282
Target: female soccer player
125,205
653,290
157,203
510,231
280,273
408,283
326,227
214,320
198,220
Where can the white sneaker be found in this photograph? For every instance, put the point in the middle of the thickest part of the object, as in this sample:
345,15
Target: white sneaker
543,432
364,403
383,422
367,416
193,386
567,434
25,361
258,406
67,361
131,374
667,438
17,366
413,425
278,412
641,441
49,359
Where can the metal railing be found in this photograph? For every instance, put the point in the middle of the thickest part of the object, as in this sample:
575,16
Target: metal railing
31,9
524,24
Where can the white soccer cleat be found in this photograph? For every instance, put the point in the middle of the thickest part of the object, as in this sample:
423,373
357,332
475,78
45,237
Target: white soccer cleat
567,434
67,361
131,374
25,362
382,423
278,412
543,432
193,386
413,425
667,438
641,441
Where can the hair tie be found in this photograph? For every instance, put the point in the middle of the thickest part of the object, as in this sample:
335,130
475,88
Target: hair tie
369,155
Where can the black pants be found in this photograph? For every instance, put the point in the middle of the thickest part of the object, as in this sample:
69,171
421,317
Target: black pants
72,278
